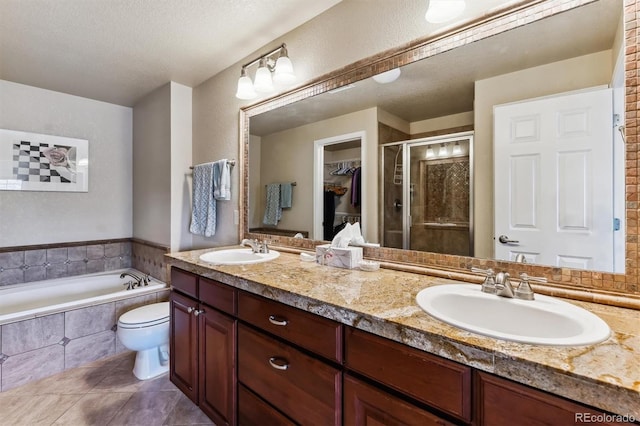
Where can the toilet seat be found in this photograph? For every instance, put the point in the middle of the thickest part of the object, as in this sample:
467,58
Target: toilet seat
145,316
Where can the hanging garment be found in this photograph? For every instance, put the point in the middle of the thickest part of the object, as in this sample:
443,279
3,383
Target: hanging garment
329,215
203,209
356,187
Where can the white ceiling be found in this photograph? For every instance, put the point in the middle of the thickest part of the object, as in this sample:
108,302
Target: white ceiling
119,50
444,84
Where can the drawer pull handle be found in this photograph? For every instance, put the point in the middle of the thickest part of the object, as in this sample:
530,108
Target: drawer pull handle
280,364
275,321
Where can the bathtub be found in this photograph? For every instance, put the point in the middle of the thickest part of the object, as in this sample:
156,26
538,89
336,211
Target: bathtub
40,298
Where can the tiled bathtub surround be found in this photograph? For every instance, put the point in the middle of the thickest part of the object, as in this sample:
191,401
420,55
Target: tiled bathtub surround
40,347
149,258
64,260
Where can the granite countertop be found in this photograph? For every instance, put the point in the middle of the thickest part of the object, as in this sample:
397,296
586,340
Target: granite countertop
605,375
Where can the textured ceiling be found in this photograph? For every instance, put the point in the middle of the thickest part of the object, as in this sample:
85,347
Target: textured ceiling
119,50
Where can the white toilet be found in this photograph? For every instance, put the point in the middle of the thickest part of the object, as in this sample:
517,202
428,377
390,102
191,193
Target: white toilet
146,330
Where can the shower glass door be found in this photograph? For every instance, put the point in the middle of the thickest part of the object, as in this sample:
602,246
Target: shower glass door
437,195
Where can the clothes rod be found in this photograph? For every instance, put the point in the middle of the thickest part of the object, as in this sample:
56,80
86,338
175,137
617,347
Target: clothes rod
231,163
292,184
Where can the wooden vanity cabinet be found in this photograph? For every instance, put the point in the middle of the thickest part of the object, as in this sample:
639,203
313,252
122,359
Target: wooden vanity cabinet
368,405
501,402
439,383
203,344
283,355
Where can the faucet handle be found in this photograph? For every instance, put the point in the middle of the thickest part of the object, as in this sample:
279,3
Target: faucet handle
524,290
489,284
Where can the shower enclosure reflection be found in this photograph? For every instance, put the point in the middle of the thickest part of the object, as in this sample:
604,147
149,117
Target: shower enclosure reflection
426,194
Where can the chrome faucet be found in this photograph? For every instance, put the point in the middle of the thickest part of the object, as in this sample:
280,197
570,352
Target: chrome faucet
489,284
139,281
520,258
524,290
256,246
503,285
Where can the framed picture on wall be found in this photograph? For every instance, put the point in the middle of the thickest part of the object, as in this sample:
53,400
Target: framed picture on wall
37,162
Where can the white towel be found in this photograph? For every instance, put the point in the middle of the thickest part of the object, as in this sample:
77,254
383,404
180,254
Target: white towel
203,210
222,180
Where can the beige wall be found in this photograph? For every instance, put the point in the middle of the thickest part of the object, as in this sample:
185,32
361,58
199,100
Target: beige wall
104,212
181,153
151,176
563,76
287,156
316,48
444,122
162,153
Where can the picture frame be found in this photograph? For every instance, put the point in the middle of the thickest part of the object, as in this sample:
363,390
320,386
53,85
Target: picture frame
39,162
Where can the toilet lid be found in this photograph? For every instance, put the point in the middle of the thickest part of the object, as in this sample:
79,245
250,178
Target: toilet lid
146,316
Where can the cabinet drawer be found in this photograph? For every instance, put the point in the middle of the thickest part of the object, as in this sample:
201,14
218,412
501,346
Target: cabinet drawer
440,383
307,330
184,281
502,402
254,411
366,405
302,387
217,295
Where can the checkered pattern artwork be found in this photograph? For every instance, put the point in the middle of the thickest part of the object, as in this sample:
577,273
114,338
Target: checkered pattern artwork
31,162
37,162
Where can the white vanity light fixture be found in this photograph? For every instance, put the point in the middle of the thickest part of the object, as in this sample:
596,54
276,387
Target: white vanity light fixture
457,149
443,151
387,76
440,11
282,70
430,153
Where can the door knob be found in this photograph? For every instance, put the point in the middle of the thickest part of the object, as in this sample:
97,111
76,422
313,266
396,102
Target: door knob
505,240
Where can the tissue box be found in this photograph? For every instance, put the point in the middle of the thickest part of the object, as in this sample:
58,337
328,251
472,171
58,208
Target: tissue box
348,257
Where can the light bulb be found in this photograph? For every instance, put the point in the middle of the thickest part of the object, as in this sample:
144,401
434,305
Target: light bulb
442,152
457,149
283,74
245,87
430,153
440,11
263,82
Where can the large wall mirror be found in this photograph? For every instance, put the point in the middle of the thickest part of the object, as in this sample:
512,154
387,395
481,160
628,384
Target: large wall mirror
456,149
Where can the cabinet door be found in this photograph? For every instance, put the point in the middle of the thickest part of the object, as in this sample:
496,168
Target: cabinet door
502,402
304,388
440,383
184,345
217,365
253,411
367,405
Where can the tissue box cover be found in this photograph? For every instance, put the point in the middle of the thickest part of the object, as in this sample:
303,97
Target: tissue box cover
348,257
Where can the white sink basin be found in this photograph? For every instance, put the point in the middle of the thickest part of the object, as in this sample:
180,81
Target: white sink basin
543,321
239,256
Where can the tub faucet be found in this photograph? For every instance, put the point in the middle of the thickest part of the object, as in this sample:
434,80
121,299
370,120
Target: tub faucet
139,281
256,246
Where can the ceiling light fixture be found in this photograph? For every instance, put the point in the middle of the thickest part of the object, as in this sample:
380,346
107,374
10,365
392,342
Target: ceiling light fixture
282,70
440,11
387,76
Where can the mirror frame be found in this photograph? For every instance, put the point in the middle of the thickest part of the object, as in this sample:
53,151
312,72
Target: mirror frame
609,288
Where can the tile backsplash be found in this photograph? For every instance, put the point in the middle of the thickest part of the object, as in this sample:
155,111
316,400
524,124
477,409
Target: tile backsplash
36,263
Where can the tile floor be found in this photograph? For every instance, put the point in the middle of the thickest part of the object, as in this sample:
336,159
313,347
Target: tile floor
101,393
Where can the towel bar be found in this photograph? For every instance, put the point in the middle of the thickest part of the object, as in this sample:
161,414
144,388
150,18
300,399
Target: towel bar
231,163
